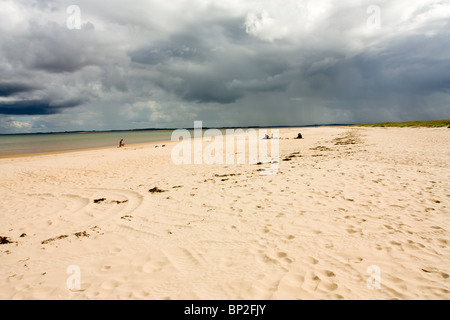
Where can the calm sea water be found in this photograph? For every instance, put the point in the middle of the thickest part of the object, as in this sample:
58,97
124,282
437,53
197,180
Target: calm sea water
37,143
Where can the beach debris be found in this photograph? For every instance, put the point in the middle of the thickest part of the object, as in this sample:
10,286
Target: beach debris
341,141
77,234
320,148
119,202
81,234
94,228
97,230
292,155
270,162
4,240
226,175
54,239
347,138
23,235
112,201
156,190
128,218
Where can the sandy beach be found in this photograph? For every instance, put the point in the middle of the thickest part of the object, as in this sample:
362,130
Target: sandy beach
352,213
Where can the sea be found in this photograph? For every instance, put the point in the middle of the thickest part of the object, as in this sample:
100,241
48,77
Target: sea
24,144
33,143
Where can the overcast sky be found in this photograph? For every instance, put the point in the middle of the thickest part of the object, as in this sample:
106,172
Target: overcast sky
158,64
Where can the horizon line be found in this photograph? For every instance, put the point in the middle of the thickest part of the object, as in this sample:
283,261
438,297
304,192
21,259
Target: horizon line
165,129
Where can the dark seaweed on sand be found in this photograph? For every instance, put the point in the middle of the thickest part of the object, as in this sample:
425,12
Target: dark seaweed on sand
156,190
4,240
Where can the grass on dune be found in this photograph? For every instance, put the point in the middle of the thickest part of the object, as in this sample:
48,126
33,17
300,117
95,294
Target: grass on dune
431,123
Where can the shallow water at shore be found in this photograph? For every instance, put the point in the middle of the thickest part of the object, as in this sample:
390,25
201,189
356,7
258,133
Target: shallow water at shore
12,145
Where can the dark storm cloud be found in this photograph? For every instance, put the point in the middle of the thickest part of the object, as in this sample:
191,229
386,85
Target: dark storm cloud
35,107
197,43
377,75
209,62
212,66
232,73
206,89
49,68
8,89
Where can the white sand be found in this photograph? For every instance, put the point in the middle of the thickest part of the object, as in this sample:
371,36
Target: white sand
227,232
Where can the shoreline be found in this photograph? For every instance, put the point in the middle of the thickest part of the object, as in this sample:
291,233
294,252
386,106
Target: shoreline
33,154
140,144
25,155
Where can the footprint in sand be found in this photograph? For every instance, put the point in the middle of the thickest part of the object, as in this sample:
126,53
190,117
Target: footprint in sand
311,281
115,250
312,260
442,243
284,257
105,268
140,294
327,286
110,284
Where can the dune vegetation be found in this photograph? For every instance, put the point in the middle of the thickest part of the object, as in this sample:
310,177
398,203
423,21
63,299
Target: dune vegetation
431,123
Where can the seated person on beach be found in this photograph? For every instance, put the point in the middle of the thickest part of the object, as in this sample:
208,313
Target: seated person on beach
299,136
121,144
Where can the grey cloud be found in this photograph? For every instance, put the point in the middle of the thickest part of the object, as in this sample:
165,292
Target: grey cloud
8,89
376,76
197,43
205,73
35,107
54,48
200,62
164,52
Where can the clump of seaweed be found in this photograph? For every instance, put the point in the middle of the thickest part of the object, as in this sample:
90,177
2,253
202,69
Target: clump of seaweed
4,240
156,190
